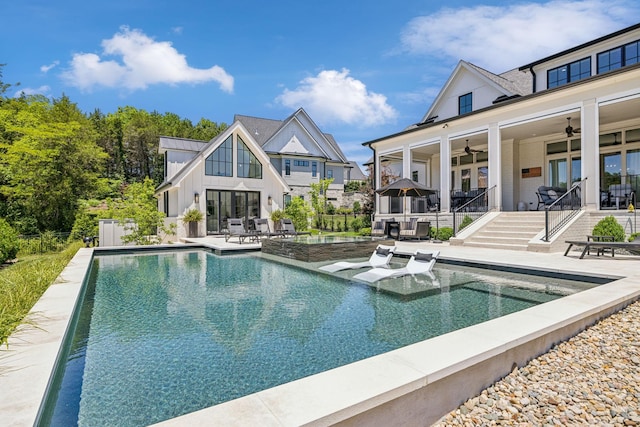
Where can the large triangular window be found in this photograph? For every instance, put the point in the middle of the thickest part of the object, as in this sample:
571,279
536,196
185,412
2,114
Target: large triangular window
220,162
248,164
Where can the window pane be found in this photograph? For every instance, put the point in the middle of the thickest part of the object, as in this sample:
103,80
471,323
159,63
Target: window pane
466,159
575,145
580,69
466,179
611,169
557,147
609,139
465,104
248,164
558,173
482,157
631,53
609,60
576,172
220,162
633,162
632,135
483,177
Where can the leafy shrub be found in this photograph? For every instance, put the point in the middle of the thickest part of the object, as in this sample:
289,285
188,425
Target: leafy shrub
9,243
609,226
331,209
356,207
365,231
444,233
192,215
465,221
297,210
357,224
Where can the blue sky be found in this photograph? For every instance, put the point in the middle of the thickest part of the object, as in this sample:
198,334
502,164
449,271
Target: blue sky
361,69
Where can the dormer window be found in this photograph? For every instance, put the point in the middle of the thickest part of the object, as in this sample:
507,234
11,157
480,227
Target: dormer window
465,103
568,73
618,57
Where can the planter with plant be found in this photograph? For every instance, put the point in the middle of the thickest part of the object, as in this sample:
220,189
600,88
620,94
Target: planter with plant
192,217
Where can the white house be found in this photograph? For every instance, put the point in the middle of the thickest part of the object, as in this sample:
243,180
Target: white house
251,169
572,117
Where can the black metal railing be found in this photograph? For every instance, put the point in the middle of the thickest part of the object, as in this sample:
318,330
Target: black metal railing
473,208
562,210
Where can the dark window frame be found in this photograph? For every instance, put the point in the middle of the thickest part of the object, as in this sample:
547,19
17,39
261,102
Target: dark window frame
626,56
465,103
572,72
248,164
220,162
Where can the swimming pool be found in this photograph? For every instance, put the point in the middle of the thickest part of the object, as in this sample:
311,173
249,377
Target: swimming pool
165,334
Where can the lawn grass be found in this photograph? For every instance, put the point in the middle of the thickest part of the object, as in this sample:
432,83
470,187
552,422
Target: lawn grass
23,283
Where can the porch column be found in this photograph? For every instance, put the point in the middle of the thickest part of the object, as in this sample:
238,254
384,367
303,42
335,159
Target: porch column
406,162
445,174
495,163
590,150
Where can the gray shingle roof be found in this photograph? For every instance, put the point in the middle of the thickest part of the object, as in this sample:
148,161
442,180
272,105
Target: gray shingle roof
513,81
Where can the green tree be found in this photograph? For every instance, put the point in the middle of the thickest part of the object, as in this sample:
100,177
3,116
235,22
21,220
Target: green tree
138,213
50,161
299,211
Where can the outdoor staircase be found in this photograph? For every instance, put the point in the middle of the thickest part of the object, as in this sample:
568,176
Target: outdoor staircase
510,230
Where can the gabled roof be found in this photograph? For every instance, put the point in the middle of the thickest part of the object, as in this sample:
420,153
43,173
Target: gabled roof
509,83
180,144
210,146
356,172
263,130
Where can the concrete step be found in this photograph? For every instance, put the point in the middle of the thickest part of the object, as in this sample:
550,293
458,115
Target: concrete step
496,246
499,239
512,229
506,233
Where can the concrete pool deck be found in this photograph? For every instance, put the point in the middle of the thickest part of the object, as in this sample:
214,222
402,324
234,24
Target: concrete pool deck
421,381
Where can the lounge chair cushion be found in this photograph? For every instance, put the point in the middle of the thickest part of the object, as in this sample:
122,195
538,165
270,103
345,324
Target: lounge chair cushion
383,251
419,256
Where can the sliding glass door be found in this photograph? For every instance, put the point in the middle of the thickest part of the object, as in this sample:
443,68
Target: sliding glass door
225,204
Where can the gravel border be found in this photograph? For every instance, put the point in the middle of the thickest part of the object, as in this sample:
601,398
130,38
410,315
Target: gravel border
591,379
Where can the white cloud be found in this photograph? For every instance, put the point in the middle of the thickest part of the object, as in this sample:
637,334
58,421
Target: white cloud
502,38
46,68
42,90
333,96
139,61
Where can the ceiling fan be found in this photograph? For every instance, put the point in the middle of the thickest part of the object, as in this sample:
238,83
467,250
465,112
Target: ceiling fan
569,129
470,150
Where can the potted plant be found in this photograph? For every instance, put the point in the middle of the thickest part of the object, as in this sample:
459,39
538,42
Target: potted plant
192,217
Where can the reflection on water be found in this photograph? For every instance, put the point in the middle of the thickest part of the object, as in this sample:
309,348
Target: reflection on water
166,334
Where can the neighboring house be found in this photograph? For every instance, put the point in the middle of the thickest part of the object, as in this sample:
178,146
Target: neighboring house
568,117
251,169
301,153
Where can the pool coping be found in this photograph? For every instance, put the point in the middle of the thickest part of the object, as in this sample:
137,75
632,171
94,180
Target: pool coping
423,380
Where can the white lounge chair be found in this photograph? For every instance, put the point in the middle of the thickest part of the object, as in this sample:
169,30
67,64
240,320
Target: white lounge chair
420,263
380,258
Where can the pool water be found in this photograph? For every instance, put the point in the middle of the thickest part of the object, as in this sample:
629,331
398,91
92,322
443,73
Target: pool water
164,334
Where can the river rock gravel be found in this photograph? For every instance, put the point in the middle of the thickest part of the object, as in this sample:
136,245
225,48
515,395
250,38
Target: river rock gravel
591,379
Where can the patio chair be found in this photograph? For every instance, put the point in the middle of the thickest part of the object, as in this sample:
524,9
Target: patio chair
415,230
263,229
420,263
288,229
235,228
620,195
380,258
378,228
